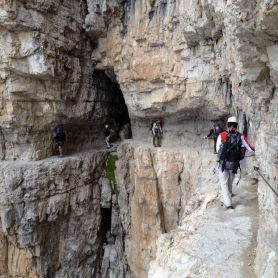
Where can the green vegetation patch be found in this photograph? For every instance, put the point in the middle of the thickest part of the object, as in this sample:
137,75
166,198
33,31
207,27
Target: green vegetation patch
110,172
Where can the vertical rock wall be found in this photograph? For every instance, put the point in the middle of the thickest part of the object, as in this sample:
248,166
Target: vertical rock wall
187,61
191,60
46,79
51,217
45,72
157,188
50,210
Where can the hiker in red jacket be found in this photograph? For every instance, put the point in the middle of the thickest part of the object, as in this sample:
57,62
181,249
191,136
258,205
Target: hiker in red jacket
230,147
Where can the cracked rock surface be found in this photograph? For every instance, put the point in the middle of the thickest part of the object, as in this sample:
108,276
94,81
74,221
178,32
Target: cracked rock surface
50,214
188,61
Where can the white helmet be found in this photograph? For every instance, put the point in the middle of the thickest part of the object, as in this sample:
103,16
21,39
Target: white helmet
232,120
106,126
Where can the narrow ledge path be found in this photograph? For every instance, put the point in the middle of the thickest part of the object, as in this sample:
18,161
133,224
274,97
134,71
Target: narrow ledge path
215,243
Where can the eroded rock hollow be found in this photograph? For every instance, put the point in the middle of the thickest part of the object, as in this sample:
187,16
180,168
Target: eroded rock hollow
84,64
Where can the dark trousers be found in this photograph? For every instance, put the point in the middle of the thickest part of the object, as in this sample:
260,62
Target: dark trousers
215,140
157,138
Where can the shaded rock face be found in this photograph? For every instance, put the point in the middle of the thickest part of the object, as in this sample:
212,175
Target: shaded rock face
46,79
52,224
51,217
44,62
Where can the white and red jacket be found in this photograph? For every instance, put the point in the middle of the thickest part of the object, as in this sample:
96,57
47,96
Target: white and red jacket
245,143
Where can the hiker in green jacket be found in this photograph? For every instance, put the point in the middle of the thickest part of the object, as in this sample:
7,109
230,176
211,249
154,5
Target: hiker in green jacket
157,132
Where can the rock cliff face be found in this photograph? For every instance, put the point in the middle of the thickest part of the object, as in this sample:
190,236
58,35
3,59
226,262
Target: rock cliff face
47,79
155,187
51,212
67,63
51,217
197,60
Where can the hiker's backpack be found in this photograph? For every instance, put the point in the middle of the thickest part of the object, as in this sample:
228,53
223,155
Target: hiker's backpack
157,127
59,134
154,121
231,151
151,124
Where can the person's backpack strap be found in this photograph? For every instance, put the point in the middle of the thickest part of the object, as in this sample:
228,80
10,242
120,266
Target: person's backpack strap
239,138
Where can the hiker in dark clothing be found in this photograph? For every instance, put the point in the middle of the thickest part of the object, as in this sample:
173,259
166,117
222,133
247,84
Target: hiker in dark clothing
110,134
157,133
59,138
215,131
107,136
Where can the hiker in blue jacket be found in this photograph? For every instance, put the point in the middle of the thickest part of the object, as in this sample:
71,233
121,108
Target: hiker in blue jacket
59,138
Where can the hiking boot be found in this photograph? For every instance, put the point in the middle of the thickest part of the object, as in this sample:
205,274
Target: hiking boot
230,207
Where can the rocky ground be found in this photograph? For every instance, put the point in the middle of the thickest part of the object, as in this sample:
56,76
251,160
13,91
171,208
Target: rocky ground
81,64
215,241
192,230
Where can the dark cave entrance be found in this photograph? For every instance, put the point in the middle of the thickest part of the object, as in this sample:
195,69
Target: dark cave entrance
112,104
103,104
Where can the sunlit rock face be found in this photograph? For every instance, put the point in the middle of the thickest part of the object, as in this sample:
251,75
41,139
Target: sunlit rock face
188,60
157,188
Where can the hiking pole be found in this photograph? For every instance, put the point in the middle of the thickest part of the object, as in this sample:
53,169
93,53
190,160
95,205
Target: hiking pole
258,170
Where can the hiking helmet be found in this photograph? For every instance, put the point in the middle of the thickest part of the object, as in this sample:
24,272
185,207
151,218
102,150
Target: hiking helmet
232,119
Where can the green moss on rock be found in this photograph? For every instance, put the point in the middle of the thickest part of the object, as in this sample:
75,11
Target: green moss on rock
110,172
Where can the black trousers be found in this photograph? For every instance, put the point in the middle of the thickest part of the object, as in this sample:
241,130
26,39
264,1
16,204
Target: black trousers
215,141
157,138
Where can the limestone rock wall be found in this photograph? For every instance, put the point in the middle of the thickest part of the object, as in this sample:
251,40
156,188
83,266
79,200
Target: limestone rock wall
157,187
52,221
43,62
199,60
51,217
189,62
46,79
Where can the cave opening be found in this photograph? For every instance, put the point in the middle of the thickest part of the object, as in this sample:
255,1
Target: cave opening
112,103
107,106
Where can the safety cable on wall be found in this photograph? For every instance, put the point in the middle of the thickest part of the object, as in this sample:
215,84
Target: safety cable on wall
258,170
